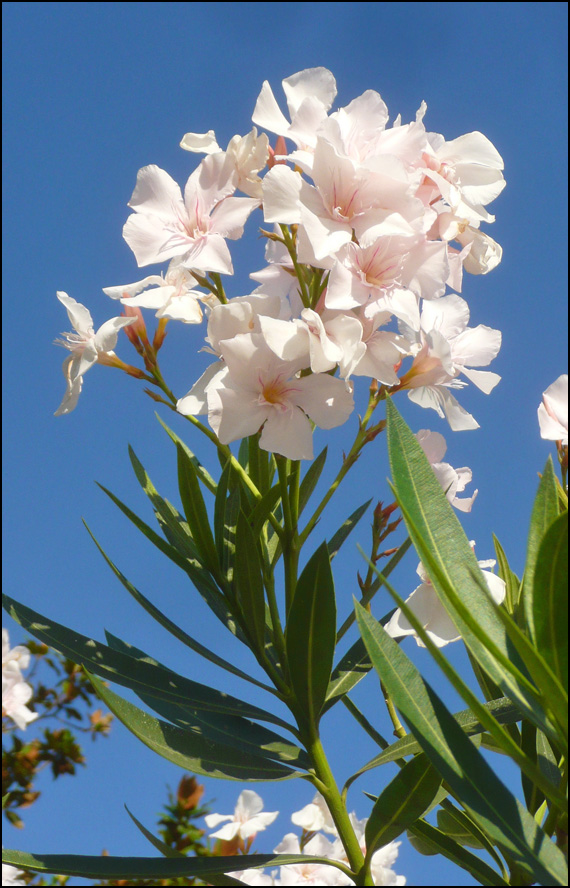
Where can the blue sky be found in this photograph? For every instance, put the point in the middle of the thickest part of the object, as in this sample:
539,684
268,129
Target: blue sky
93,92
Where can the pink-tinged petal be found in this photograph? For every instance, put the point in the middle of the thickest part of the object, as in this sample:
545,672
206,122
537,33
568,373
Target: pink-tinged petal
426,268
555,400
289,433
106,337
213,180
71,396
483,379
234,414
551,428
472,148
156,193
449,315
326,235
184,308
133,289
376,222
289,340
79,316
316,82
155,298
477,346
196,401
304,124
151,241
210,253
281,190
325,400
404,305
344,290
433,445
442,401
267,113
200,143
231,214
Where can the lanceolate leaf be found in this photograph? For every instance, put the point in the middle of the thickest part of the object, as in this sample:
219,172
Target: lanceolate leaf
196,513
160,846
451,564
137,674
345,529
427,839
460,764
402,802
202,473
550,598
174,628
311,634
465,830
311,478
512,582
191,750
503,710
544,512
231,730
131,868
248,582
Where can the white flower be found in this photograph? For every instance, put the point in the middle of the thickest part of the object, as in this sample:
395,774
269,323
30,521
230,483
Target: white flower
165,225
12,876
433,616
256,388
247,819
453,481
85,346
248,154
553,412
15,691
254,877
309,873
171,294
315,816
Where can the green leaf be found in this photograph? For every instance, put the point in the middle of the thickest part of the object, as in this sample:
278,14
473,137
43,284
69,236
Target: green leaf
504,711
202,473
136,674
544,512
427,839
173,627
510,579
451,564
311,479
402,802
248,582
466,831
260,513
550,598
190,749
197,514
345,529
460,764
160,846
131,868
311,634
230,730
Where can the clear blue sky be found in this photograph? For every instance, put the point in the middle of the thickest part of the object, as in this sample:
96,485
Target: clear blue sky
93,92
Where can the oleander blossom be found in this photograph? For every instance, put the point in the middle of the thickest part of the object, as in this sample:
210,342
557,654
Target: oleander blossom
427,607
247,820
553,412
16,693
453,481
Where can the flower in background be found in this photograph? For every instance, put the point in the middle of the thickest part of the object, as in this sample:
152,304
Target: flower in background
248,154
452,480
12,876
247,819
15,691
425,604
85,345
553,412
315,816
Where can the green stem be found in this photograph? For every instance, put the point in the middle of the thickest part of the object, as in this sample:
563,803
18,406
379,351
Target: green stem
326,785
362,437
399,730
289,538
291,249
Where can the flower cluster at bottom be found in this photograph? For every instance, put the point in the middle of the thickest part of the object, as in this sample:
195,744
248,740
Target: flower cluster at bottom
249,818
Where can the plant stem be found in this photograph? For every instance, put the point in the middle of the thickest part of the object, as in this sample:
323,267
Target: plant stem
399,730
289,538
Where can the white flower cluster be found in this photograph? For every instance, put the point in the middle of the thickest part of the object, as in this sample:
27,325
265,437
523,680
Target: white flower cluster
248,819
15,691
15,694
372,224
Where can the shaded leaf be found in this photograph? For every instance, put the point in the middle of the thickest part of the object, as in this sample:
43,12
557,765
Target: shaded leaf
345,529
197,514
544,512
248,581
311,479
550,598
202,473
427,839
